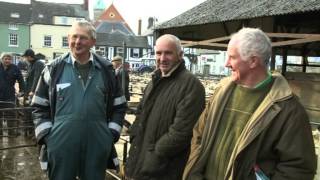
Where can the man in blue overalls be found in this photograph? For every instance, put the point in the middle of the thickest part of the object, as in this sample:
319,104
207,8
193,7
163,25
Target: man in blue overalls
80,110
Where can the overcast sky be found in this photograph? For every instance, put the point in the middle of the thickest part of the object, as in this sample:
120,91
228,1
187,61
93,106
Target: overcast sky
132,10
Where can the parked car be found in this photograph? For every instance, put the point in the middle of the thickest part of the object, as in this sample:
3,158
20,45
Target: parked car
145,69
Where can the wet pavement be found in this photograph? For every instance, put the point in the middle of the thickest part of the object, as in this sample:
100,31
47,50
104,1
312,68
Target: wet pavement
19,163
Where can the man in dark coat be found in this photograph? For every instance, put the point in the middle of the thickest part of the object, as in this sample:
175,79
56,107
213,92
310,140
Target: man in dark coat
35,67
120,72
171,105
9,75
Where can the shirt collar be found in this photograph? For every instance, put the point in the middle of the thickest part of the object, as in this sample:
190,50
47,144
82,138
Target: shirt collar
73,59
171,71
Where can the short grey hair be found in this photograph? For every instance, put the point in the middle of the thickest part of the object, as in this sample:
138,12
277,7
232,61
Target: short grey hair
6,54
253,42
173,39
88,26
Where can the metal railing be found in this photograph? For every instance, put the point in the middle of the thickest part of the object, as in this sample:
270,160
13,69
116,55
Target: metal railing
15,122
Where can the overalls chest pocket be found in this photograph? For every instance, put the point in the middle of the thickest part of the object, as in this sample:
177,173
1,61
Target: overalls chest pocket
64,96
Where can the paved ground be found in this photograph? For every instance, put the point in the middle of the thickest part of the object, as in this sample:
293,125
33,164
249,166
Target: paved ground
22,163
19,163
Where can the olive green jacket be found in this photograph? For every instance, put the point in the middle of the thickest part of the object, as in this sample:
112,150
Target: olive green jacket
277,137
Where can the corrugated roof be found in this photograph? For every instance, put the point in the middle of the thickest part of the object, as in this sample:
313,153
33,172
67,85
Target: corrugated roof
213,11
6,9
117,39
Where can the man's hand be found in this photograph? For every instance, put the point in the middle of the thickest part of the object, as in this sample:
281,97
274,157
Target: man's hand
20,94
115,135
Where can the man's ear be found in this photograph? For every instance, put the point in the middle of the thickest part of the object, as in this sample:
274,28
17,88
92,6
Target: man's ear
181,55
254,62
93,42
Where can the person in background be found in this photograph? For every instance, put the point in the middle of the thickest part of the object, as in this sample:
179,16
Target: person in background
120,70
79,111
22,65
34,70
172,103
9,75
41,57
253,127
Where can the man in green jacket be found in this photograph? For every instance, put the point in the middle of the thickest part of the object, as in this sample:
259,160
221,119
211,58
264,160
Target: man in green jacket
172,103
254,126
80,110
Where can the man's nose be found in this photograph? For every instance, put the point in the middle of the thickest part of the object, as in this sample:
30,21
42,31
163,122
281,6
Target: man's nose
162,57
227,64
77,40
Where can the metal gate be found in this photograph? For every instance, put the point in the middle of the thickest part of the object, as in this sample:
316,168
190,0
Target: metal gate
15,122
18,151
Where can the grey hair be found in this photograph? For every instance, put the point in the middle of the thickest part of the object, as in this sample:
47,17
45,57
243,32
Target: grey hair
117,58
4,54
173,39
253,42
88,26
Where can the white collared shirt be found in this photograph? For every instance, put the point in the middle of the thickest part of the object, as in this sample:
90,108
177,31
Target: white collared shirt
73,59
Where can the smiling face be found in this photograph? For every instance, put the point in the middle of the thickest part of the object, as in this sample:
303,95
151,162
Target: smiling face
167,54
80,41
240,68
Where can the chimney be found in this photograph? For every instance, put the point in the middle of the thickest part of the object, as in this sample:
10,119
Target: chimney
86,5
139,26
150,22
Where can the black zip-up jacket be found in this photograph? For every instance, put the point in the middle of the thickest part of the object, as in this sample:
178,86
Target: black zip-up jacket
8,78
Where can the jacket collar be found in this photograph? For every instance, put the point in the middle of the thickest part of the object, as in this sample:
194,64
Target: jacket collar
280,89
179,67
70,59
73,59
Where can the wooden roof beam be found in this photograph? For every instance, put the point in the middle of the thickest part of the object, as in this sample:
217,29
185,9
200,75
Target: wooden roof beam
292,35
296,41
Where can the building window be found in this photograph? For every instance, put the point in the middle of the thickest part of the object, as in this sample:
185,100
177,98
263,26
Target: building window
15,15
80,19
13,39
135,52
101,51
120,51
210,60
13,26
47,41
111,15
64,20
64,41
